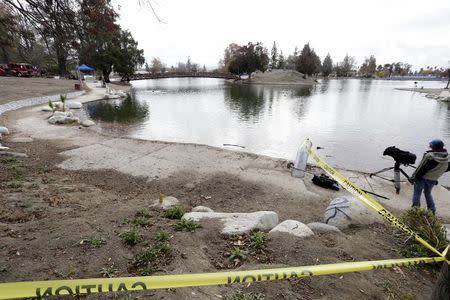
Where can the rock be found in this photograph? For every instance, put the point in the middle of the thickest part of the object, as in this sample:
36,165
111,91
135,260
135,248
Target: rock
63,117
292,227
345,211
74,105
112,96
447,229
46,109
238,223
87,123
318,227
13,154
167,202
3,148
202,209
4,130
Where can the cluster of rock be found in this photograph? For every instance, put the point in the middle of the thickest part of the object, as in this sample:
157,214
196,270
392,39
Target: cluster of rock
61,116
114,94
340,214
3,131
442,96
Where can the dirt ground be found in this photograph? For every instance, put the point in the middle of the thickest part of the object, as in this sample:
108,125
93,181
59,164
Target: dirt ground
15,88
57,224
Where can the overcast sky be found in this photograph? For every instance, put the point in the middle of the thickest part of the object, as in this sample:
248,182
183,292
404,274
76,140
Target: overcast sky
416,32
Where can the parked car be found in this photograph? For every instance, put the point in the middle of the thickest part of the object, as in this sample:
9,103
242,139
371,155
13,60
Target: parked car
23,70
2,71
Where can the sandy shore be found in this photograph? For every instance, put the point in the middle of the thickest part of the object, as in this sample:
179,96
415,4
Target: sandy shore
156,159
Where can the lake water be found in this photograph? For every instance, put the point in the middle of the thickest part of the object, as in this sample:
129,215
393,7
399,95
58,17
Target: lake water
353,120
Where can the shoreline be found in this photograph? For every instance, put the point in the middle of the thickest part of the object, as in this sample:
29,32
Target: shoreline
155,160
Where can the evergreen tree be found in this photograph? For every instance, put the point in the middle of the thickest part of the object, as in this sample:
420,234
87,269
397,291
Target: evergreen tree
274,56
308,61
281,61
327,66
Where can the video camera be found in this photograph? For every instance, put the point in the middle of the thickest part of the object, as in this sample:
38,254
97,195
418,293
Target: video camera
400,156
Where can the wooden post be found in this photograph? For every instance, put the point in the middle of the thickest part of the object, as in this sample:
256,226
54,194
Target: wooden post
442,287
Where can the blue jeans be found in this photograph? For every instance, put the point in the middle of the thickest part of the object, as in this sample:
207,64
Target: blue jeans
426,186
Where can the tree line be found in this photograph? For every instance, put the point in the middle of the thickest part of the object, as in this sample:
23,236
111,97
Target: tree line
58,34
245,59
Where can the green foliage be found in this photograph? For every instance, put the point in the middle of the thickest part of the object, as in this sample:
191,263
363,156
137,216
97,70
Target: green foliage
131,236
14,184
428,227
175,212
186,225
140,221
94,242
50,104
162,236
148,261
327,66
108,272
8,160
247,59
237,253
258,240
244,296
143,212
308,62
63,99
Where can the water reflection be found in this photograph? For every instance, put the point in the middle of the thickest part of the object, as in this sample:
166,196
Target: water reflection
128,110
247,100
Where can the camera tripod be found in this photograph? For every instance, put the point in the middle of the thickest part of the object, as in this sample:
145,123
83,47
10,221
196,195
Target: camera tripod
396,180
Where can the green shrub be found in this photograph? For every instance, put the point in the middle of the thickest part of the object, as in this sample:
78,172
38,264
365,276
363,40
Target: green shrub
162,236
237,253
148,261
175,212
245,296
143,212
258,240
130,236
140,221
428,227
186,225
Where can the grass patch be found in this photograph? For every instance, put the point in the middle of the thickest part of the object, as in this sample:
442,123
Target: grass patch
186,225
238,254
162,236
244,296
175,212
258,240
151,258
8,160
108,272
14,184
130,236
140,221
428,227
94,242
143,212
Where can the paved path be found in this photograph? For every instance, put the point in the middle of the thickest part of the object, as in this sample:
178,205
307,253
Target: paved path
34,101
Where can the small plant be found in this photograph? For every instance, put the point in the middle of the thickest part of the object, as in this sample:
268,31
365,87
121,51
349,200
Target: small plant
162,236
245,296
143,212
130,236
14,184
175,212
237,254
140,221
94,242
186,225
258,240
428,227
7,160
149,260
108,272
51,105
63,99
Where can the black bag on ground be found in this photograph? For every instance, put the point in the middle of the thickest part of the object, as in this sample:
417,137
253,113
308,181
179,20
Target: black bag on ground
325,182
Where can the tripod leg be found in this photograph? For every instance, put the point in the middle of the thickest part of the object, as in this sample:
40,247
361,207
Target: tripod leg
381,171
397,178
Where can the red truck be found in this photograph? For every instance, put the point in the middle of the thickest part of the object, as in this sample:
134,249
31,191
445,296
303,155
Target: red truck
23,70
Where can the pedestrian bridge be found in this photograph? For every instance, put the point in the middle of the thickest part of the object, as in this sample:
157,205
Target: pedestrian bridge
181,75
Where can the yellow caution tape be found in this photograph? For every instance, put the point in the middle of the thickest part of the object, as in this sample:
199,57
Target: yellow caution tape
101,285
367,200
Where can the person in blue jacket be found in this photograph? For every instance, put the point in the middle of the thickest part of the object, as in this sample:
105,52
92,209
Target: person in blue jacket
435,162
